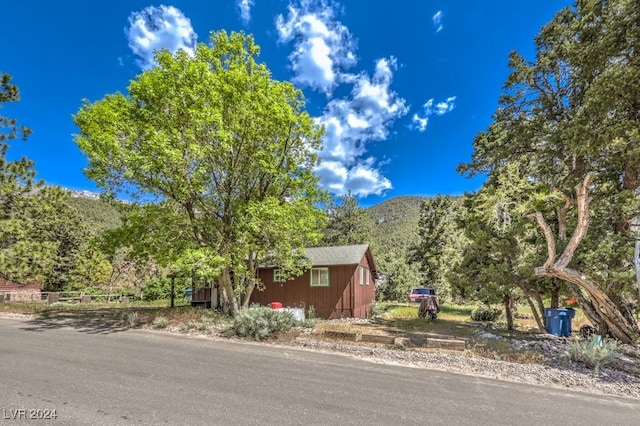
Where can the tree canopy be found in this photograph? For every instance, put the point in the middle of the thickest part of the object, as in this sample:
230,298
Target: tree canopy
569,119
348,224
228,151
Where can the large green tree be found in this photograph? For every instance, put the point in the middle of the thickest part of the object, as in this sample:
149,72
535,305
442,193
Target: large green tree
226,149
570,120
499,254
348,223
441,241
41,236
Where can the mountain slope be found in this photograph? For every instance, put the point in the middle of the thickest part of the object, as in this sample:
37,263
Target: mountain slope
396,223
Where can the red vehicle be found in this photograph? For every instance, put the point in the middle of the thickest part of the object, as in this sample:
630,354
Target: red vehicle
419,293
429,302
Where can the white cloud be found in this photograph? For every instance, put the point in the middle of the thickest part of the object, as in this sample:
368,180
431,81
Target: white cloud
444,107
437,21
420,121
245,10
350,123
323,46
361,178
155,28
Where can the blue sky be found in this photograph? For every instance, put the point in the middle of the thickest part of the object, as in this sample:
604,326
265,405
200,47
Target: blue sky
402,86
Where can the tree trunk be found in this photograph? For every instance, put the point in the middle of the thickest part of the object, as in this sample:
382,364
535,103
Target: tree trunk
588,309
610,314
606,309
250,281
536,314
540,303
555,293
508,311
227,296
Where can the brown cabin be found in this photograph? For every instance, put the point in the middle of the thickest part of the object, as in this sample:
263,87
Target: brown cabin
340,283
18,292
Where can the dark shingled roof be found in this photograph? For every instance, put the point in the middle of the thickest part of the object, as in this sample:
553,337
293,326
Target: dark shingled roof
339,255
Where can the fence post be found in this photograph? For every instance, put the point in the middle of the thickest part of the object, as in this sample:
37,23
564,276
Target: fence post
53,297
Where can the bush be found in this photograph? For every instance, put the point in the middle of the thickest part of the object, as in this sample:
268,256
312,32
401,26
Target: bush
593,353
132,319
160,289
94,291
160,322
486,313
258,323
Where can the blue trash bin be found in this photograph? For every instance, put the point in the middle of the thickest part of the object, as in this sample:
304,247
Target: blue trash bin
565,315
552,321
559,321
188,293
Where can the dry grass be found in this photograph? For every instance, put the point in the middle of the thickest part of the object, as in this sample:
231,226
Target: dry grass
397,320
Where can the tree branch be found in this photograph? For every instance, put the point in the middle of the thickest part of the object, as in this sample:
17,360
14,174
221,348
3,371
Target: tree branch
582,201
561,212
548,236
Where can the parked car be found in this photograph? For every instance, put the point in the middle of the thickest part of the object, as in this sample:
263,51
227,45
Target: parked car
419,293
429,302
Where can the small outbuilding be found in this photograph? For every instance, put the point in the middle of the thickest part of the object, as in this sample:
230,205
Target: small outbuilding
340,283
17,292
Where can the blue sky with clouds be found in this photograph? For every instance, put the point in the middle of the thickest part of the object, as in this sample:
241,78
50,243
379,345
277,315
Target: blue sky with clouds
401,86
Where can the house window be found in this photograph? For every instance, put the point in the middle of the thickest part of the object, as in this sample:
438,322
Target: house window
319,277
278,277
366,276
361,275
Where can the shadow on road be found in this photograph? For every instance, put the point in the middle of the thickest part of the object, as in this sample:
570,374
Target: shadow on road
98,321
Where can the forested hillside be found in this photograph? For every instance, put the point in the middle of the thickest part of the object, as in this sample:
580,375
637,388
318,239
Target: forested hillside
396,223
395,233
98,215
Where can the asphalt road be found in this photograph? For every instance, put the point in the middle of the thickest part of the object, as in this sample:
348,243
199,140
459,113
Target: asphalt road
98,375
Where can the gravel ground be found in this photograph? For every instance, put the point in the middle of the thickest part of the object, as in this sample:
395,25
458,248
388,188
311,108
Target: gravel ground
557,372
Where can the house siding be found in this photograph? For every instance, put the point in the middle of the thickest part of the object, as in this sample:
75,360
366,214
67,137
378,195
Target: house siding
343,298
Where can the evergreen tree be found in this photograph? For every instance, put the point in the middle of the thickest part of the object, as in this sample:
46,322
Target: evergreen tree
348,224
570,120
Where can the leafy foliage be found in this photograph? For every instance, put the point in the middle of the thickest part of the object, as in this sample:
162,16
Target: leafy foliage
566,117
42,239
258,323
160,322
160,288
485,312
348,224
227,152
441,241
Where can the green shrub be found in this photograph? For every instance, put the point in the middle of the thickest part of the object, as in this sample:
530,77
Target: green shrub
486,313
160,289
94,291
160,322
258,323
593,353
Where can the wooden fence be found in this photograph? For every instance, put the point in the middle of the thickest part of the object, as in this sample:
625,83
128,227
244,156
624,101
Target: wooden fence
50,297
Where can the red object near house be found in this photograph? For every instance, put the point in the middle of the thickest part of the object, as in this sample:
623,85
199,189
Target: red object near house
275,305
340,283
